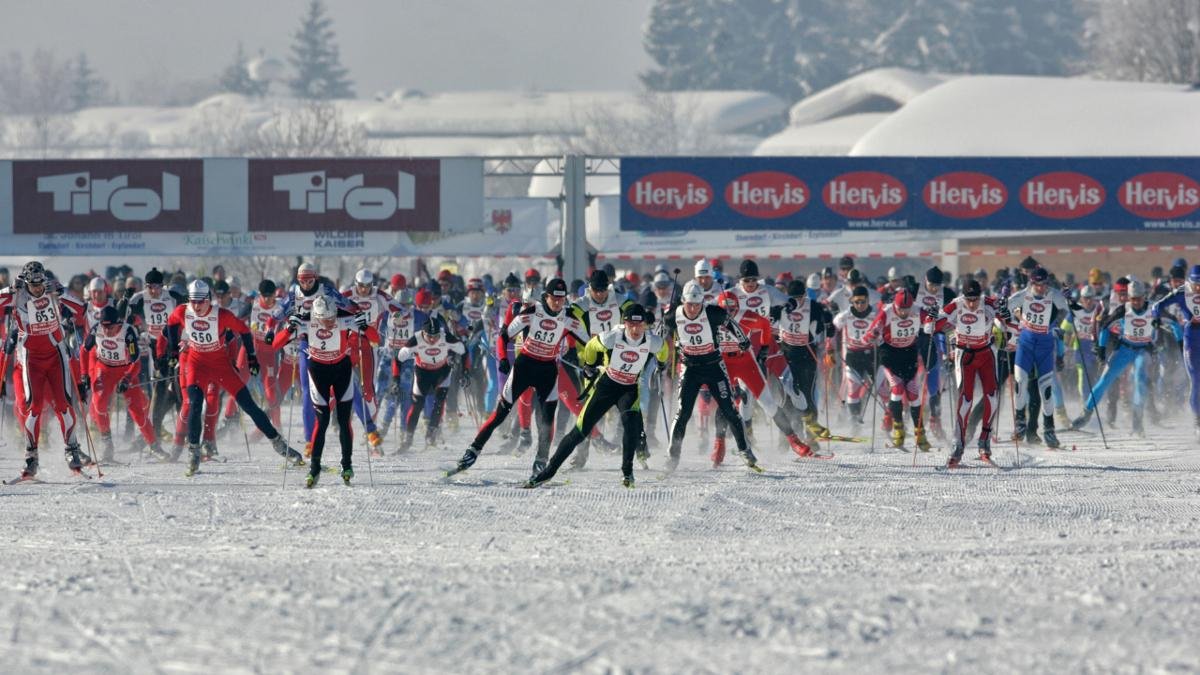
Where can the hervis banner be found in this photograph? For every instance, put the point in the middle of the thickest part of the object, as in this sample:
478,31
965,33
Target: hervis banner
234,206
910,193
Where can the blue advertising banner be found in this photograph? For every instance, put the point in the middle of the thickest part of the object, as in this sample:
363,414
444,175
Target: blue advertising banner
910,193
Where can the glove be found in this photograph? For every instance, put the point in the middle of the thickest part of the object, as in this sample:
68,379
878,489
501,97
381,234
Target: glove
504,366
172,362
1100,351
252,363
85,385
160,365
122,386
269,337
1058,363
393,390
293,324
590,372
360,321
744,345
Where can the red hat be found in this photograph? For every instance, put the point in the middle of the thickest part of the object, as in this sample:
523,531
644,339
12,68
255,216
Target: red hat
532,274
633,278
784,276
424,297
903,299
445,275
474,284
398,281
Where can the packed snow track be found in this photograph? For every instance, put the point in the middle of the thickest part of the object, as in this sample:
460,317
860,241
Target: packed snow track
1077,561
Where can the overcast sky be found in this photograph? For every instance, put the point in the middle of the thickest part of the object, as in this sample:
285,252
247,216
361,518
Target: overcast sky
434,45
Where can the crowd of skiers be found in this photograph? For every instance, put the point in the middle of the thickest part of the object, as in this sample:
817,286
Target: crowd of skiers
612,349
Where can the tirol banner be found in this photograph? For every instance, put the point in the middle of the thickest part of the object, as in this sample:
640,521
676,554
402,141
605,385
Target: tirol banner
910,193
344,194
139,195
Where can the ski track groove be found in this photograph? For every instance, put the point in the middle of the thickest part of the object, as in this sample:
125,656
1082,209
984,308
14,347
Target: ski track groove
859,563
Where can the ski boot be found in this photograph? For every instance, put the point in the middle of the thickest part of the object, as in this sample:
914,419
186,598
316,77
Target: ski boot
1137,429
643,457
405,440
748,457
176,452
525,442
314,474
1031,435
956,455
1082,420
718,451
815,429
193,459
210,451
157,453
1049,437
31,464
539,465
375,443
897,434
606,446
468,460
670,466
627,481
985,447
798,446
107,450
347,474
920,439
74,458
1019,426
287,453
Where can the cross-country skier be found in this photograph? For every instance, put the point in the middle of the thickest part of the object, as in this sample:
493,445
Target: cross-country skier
695,326
1135,322
543,326
332,344
1186,300
111,364
400,327
195,335
1040,309
41,371
971,318
621,354
859,358
897,325
803,323
432,351
374,305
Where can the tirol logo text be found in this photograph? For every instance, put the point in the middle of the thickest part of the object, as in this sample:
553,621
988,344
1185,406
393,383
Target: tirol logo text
864,194
766,194
1160,195
670,194
1062,195
313,192
965,194
79,194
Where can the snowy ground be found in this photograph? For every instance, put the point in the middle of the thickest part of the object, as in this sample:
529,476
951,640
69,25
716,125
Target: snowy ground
1078,561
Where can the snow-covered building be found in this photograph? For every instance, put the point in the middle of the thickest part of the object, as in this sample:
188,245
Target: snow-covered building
410,123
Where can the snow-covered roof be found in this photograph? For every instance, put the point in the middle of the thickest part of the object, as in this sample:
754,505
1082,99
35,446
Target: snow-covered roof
1009,115
888,88
453,123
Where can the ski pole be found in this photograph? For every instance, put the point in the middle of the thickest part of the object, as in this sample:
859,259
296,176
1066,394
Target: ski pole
1012,399
74,396
873,394
292,411
1087,379
366,416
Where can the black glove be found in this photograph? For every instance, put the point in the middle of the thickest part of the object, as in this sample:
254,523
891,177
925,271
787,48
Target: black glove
85,385
269,337
252,363
172,362
590,372
160,365
122,386
393,389
1058,363
504,366
293,324
744,345
1099,351
360,321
